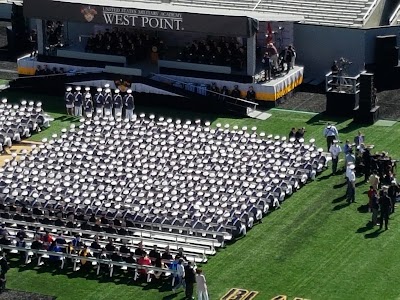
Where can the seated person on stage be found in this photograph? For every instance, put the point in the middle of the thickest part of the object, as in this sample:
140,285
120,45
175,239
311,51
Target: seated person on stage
251,94
235,92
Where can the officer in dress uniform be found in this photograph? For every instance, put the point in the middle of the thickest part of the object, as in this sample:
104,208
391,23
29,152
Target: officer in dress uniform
69,101
117,102
78,101
129,104
108,103
88,105
99,102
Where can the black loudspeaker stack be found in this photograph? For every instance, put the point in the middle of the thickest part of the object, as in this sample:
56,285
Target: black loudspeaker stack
367,111
386,62
387,52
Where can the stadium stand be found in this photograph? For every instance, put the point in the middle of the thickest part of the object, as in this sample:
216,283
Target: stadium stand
20,121
346,13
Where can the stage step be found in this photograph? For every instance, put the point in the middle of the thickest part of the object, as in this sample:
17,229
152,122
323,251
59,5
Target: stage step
257,114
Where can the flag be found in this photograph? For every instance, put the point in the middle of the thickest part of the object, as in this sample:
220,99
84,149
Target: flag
269,33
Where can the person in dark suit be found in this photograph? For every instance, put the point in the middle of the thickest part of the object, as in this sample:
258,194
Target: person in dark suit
190,279
235,92
392,193
386,205
292,133
267,66
251,94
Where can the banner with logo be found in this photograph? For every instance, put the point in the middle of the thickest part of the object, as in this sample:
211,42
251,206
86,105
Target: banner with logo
140,18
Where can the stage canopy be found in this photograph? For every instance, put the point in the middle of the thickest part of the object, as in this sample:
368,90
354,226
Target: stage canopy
154,16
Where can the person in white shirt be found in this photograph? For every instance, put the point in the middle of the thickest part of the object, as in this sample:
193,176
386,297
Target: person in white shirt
352,184
335,150
331,133
201,283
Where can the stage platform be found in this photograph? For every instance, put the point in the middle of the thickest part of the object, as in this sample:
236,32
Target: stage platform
270,91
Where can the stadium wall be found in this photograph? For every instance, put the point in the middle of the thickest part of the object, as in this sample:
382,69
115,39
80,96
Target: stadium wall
5,11
317,46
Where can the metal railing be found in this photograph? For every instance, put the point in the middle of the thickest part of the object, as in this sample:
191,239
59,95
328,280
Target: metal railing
342,83
184,85
395,15
369,11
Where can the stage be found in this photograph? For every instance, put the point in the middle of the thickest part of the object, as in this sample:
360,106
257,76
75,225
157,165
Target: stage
270,91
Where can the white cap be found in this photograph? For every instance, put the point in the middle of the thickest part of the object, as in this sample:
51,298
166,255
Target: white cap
87,88
99,89
129,91
78,88
116,91
108,91
87,96
107,85
69,89
352,167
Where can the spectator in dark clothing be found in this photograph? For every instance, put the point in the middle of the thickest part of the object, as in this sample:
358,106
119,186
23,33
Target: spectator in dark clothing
235,92
251,94
60,239
3,230
3,271
21,234
300,133
139,250
155,257
392,193
386,205
190,279
110,246
5,240
292,133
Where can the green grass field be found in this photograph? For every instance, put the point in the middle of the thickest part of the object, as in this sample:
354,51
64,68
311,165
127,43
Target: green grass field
316,246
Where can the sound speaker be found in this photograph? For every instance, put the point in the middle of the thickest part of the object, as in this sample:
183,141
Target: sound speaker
386,51
367,94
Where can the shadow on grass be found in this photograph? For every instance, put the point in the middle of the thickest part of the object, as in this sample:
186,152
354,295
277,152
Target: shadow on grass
367,227
339,185
363,209
323,119
119,277
341,206
324,177
374,234
339,199
352,126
